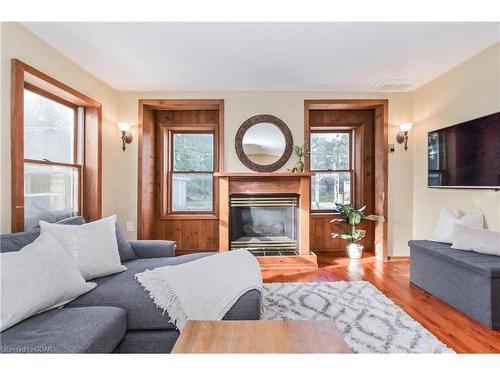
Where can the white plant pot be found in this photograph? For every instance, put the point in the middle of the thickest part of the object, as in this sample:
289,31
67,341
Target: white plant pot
354,251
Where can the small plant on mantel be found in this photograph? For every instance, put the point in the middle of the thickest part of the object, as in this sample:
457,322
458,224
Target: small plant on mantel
300,151
350,217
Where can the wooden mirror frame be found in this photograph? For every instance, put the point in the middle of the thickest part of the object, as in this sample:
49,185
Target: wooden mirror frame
257,119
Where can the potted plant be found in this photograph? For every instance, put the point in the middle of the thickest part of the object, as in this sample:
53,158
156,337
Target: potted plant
350,217
300,151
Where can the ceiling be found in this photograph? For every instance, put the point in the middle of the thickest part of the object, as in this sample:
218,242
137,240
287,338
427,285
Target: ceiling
267,56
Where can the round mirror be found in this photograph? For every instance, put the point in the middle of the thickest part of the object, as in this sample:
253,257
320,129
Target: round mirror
263,143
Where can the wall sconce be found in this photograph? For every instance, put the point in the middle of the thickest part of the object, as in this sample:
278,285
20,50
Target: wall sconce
402,136
126,135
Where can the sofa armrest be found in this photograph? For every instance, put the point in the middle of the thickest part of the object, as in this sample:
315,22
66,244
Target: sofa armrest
153,248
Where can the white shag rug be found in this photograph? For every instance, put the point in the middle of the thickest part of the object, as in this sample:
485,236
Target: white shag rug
369,321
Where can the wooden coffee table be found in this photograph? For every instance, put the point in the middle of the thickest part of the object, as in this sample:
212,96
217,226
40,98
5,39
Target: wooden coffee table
260,336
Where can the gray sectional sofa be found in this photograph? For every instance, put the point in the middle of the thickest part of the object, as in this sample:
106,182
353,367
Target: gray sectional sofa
117,315
466,280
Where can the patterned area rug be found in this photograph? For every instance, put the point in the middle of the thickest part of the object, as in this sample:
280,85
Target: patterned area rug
369,321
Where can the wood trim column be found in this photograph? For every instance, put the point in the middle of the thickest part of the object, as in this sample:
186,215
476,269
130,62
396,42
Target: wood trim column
381,178
17,146
146,202
223,213
92,171
304,215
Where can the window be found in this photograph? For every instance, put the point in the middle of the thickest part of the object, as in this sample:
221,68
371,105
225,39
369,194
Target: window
51,175
192,172
52,171
331,161
189,159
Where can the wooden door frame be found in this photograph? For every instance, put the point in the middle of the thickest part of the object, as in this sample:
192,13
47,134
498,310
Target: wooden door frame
381,155
148,178
23,75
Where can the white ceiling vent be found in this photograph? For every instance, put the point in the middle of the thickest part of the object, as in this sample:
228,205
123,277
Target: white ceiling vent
394,85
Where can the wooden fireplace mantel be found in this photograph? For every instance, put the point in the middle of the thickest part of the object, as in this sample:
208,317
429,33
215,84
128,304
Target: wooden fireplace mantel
269,183
263,174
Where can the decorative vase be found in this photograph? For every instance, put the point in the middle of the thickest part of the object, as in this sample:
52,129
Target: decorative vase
354,251
299,166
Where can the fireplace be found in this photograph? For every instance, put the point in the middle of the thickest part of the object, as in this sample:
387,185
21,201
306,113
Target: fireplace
264,224
268,214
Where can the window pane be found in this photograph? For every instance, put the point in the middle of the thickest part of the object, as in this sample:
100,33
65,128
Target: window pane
192,192
329,151
50,193
330,188
193,152
49,129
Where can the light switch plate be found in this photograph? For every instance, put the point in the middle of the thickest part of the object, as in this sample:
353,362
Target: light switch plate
130,226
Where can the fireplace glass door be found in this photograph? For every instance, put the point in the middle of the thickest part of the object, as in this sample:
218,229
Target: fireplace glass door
264,224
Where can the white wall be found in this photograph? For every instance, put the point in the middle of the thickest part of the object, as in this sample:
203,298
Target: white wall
468,91
289,106
18,42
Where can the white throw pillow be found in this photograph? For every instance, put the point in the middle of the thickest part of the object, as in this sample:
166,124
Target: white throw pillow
92,246
447,220
39,277
479,240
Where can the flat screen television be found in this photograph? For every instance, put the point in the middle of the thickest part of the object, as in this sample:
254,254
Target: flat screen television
466,155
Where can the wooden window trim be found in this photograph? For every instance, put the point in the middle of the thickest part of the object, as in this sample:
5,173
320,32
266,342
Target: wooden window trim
171,214
149,181
24,77
381,152
329,130
166,140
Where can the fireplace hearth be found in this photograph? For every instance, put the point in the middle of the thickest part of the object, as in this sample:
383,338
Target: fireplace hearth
264,224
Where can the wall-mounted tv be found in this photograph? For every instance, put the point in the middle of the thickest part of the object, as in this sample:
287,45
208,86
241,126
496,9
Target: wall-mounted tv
466,155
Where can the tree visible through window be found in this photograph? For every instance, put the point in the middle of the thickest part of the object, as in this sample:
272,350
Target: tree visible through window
331,161
192,172
51,168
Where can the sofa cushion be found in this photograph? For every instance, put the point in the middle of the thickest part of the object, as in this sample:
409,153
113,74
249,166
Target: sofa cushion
75,330
158,341
488,265
16,241
122,290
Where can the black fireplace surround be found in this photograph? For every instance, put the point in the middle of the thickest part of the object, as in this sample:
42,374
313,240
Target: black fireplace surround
264,224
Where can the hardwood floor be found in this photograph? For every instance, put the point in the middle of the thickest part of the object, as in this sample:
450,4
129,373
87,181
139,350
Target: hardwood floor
453,328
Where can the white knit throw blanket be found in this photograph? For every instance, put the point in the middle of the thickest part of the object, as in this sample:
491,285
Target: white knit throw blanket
203,289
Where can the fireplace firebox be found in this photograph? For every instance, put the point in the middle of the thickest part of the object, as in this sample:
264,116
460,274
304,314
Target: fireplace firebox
264,224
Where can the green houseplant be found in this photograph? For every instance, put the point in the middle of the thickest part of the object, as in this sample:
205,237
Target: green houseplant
300,151
350,217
